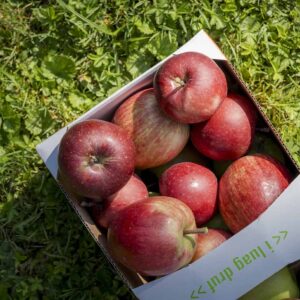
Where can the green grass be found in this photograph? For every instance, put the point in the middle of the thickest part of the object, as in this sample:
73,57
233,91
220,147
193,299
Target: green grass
60,58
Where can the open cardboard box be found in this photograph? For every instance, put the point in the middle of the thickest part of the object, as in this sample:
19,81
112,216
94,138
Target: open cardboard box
269,243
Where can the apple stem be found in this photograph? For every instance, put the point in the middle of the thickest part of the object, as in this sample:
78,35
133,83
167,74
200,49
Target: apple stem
196,230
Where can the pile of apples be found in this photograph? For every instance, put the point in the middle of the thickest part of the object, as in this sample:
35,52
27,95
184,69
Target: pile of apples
174,141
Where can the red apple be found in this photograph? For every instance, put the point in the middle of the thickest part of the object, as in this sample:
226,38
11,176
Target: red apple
190,87
149,236
193,184
227,135
208,242
157,138
134,190
95,159
248,187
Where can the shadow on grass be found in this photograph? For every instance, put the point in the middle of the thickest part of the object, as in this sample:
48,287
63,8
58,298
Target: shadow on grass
45,251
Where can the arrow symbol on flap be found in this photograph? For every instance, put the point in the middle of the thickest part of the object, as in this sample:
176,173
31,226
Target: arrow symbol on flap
200,291
283,235
284,232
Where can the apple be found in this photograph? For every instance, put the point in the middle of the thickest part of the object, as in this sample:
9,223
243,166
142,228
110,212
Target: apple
157,138
134,190
96,158
190,87
188,154
151,237
193,184
248,187
227,135
281,285
208,242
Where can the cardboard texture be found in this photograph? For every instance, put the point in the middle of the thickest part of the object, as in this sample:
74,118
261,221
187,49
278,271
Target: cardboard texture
239,264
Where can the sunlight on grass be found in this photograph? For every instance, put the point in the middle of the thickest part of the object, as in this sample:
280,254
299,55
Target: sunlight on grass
60,58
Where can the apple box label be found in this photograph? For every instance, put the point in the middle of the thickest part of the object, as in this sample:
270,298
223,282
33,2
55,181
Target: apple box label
217,279
242,262
239,263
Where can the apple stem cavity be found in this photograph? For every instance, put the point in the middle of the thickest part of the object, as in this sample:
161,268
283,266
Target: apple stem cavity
96,159
203,230
180,82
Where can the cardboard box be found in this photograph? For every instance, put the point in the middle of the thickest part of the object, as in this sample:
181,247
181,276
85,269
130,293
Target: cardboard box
269,243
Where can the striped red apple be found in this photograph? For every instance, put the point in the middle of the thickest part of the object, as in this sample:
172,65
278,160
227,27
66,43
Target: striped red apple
248,187
152,237
157,138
